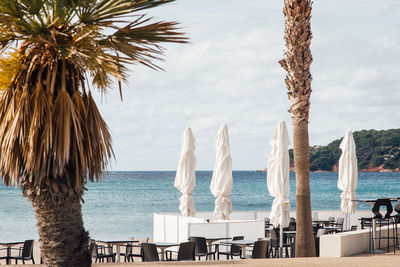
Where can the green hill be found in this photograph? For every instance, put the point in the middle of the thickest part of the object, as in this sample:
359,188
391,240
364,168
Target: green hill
375,150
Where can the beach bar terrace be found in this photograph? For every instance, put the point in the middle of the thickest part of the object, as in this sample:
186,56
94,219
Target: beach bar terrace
172,227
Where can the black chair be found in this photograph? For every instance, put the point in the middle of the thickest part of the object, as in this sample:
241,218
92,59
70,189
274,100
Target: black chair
353,228
331,221
150,252
25,252
186,252
234,249
99,253
292,224
339,224
201,248
129,255
275,244
260,250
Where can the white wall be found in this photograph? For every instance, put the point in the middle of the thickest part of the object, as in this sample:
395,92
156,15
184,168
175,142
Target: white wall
353,242
175,228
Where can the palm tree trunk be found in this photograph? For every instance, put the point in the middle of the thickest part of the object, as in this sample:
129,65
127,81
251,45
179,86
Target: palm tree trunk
304,232
297,63
64,241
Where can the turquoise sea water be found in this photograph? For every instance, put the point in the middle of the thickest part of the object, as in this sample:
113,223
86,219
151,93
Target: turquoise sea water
121,206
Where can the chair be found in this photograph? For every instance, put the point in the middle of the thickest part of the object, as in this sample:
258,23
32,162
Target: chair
186,252
353,228
234,249
292,224
25,252
260,250
339,224
99,253
129,255
201,248
331,221
150,252
275,244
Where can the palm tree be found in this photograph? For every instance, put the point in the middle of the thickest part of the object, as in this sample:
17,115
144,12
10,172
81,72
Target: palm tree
53,139
297,63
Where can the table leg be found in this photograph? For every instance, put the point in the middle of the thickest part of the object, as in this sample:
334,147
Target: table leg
244,251
162,253
118,253
209,250
374,249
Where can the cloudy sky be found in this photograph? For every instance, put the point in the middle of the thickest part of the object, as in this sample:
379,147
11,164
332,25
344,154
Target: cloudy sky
229,73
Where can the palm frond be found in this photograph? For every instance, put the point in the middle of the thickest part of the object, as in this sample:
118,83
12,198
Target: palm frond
50,127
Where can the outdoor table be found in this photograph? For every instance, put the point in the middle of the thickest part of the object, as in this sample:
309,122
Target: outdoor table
9,245
321,222
118,245
330,229
210,240
163,245
242,243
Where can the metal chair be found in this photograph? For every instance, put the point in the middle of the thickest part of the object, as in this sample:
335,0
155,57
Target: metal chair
129,255
234,249
339,224
98,253
275,244
25,253
201,248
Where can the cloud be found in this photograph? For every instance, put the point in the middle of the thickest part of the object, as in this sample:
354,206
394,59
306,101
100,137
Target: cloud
229,73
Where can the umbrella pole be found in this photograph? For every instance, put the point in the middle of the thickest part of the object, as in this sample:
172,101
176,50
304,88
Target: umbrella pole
281,236
281,240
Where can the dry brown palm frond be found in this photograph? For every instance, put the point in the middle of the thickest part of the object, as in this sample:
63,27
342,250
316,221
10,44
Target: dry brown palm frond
102,149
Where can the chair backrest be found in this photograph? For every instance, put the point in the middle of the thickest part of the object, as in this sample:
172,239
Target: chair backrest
186,251
201,245
274,238
320,232
267,222
128,248
93,249
331,220
260,250
234,248
27,250
292,226
354,228
150,252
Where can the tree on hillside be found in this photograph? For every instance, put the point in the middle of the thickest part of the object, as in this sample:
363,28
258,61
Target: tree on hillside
52,136
297,63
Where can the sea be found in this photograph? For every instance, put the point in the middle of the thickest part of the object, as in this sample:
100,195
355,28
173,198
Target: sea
122,204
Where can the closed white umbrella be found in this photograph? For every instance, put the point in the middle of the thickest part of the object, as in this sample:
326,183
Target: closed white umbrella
348,174
185,179
221,182
278,178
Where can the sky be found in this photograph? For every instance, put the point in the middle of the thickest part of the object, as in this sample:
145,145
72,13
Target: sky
229,73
